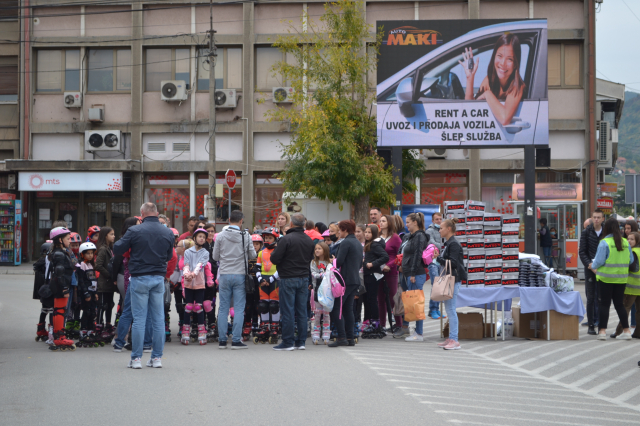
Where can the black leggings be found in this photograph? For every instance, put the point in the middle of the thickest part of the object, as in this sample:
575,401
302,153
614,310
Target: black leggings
346,322
607,293
177,293
105,304
371,298
191,296
88,311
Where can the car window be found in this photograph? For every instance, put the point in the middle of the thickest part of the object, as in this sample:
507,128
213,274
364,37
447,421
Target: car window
444,78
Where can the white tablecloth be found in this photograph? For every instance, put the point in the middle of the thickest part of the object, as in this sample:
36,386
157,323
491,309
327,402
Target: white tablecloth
532,299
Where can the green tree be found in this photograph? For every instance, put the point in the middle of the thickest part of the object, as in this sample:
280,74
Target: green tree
332,154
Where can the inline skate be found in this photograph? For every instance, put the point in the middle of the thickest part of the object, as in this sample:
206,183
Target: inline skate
212,333
373,331
108,333
167,330
88,339
41,333
72,329
186,332
262,336
274,332
179,334
202,334
356,331
255,329
59,341
246,331
315,334
194,332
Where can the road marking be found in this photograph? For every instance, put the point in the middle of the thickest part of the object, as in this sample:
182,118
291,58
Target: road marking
609,383
600,372
588,363
546,354
456,370
533,348
512,418
561,360
630,394
468,381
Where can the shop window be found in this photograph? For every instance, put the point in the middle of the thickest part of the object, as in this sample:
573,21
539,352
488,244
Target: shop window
222,204
436,188
267,200
497,190
109,70
173,203
564,65
9,74
552,176
228,69
58,70
166,64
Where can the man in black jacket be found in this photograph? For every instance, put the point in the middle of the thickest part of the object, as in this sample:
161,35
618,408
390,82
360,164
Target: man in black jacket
151,247
589,241
292,257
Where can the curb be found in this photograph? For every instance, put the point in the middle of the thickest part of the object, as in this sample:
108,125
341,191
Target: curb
17,272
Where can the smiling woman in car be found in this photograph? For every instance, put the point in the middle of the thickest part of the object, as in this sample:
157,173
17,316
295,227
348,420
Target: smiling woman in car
503,82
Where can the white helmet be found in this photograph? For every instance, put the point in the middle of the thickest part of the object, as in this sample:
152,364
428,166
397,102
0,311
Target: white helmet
86,246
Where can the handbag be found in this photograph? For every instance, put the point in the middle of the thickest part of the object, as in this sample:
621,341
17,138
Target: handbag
413,301
249,285
443,285
398,306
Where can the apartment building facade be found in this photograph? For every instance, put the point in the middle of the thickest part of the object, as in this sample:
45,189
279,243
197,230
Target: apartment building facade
112,58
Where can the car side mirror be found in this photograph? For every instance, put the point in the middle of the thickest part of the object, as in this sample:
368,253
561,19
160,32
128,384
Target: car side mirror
404,96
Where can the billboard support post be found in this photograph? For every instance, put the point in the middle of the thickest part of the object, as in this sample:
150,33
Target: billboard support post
396,162
530,199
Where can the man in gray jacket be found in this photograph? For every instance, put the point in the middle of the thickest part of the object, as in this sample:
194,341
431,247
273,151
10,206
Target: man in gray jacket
233,256
433,231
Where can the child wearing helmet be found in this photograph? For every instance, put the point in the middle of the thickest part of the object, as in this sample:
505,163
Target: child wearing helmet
267,275
74,309
92,234
60,270
210,292
251,307
196,260
74,242
87,288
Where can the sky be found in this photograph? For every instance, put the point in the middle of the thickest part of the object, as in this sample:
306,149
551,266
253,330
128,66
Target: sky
617,32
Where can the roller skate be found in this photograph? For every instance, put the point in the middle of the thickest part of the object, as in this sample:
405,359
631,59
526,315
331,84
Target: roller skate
334,333
326,333
72,330
212,333
88,339
202,335
60,342
274,332
179,334
41,333
246,331
108,333
365,324
186,332
373,331
255,329
356,331
194,332
315,334
263,334
167,332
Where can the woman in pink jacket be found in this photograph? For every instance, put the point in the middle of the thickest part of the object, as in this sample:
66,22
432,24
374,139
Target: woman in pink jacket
393,242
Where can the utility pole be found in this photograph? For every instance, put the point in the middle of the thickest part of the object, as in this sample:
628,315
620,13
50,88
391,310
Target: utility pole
211,208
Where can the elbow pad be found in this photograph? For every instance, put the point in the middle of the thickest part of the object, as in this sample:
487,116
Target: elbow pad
197,269
185,269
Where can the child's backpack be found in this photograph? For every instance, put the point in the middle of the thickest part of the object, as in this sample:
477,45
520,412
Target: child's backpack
337,283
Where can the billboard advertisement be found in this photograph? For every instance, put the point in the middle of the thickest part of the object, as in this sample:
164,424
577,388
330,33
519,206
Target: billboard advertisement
463,84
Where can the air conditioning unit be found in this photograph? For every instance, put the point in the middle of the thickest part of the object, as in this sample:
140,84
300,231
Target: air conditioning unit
173,90
604,142
226,98
282,95
72,99
434,153
102,140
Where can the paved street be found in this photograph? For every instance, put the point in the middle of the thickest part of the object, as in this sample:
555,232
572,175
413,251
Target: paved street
386,381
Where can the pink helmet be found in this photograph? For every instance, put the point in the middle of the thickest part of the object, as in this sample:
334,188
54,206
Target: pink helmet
175,232
200,231
256,238
326,233
58,232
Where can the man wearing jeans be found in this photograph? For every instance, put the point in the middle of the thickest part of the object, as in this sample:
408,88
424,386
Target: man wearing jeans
293,257
233,249
151,247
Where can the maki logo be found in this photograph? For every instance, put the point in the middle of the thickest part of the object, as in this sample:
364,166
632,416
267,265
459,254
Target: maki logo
411,36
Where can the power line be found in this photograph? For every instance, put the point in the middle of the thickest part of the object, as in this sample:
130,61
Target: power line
630,10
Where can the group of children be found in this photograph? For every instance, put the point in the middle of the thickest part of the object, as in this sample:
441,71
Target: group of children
66,283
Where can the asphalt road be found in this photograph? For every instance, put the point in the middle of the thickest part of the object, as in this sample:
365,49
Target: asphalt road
386,381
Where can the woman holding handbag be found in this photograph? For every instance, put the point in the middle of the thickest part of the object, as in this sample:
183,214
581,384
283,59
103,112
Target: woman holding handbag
412,266
452,252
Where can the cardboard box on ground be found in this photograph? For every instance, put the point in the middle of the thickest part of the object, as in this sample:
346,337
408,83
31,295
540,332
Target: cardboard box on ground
563,327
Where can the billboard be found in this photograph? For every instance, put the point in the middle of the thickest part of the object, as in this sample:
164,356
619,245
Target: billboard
463,84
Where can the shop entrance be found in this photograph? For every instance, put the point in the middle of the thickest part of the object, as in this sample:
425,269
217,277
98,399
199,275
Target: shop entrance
565,219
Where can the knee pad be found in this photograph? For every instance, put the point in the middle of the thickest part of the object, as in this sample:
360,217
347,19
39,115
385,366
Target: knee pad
208,306
197,308
263,307
232,312
58,311
46,310
188,308
274,307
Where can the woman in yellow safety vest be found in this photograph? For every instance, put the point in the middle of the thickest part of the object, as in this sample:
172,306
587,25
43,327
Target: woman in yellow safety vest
611,266
632,291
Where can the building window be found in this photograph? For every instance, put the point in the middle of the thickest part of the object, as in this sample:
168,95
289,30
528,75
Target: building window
438,187
551,176
9,79
58,71
565,65
266,59
101,67
267,200
228,69
166,64
9,10
497,190
170,192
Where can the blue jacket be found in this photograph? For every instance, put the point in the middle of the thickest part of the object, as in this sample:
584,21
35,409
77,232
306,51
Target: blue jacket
603,254
151,247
